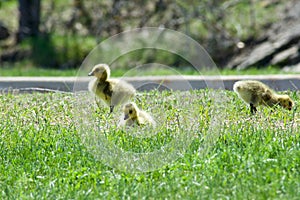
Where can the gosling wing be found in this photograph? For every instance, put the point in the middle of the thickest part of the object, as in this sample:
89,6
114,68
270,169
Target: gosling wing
121,92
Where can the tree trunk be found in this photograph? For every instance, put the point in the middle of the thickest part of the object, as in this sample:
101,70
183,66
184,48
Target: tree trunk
29,19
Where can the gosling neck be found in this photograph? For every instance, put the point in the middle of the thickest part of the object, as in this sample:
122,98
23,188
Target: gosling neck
134,118
277,96
275,99
104,77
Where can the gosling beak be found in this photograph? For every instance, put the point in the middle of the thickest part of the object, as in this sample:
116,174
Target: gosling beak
91,74
126,116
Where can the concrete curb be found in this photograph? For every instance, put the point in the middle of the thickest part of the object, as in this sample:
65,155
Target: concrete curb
277,82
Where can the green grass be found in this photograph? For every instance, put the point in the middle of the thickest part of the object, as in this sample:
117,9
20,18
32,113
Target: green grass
62,48
45,155
26,69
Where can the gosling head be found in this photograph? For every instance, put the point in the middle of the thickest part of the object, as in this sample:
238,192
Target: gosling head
286,102
101,71
130,111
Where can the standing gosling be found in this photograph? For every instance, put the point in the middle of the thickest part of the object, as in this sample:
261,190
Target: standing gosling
110,91
256,93
133,115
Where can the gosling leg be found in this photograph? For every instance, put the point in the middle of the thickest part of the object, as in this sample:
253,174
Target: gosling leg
252,108
111,109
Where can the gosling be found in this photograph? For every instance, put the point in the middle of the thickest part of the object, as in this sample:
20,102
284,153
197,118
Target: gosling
256,93
133,115
111,91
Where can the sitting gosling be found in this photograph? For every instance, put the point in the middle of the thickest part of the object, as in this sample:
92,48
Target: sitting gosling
110,91
133,115
256,93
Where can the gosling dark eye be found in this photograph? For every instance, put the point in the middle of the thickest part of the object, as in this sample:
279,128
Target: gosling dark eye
130,111
290,104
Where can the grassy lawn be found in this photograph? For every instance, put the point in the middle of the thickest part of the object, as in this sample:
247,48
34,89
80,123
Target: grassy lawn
34,71
61,146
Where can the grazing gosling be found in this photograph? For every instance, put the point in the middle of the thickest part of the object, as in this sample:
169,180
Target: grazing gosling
133,115
112,92
256,93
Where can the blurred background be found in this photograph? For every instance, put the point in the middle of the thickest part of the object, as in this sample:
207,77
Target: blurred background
53,37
